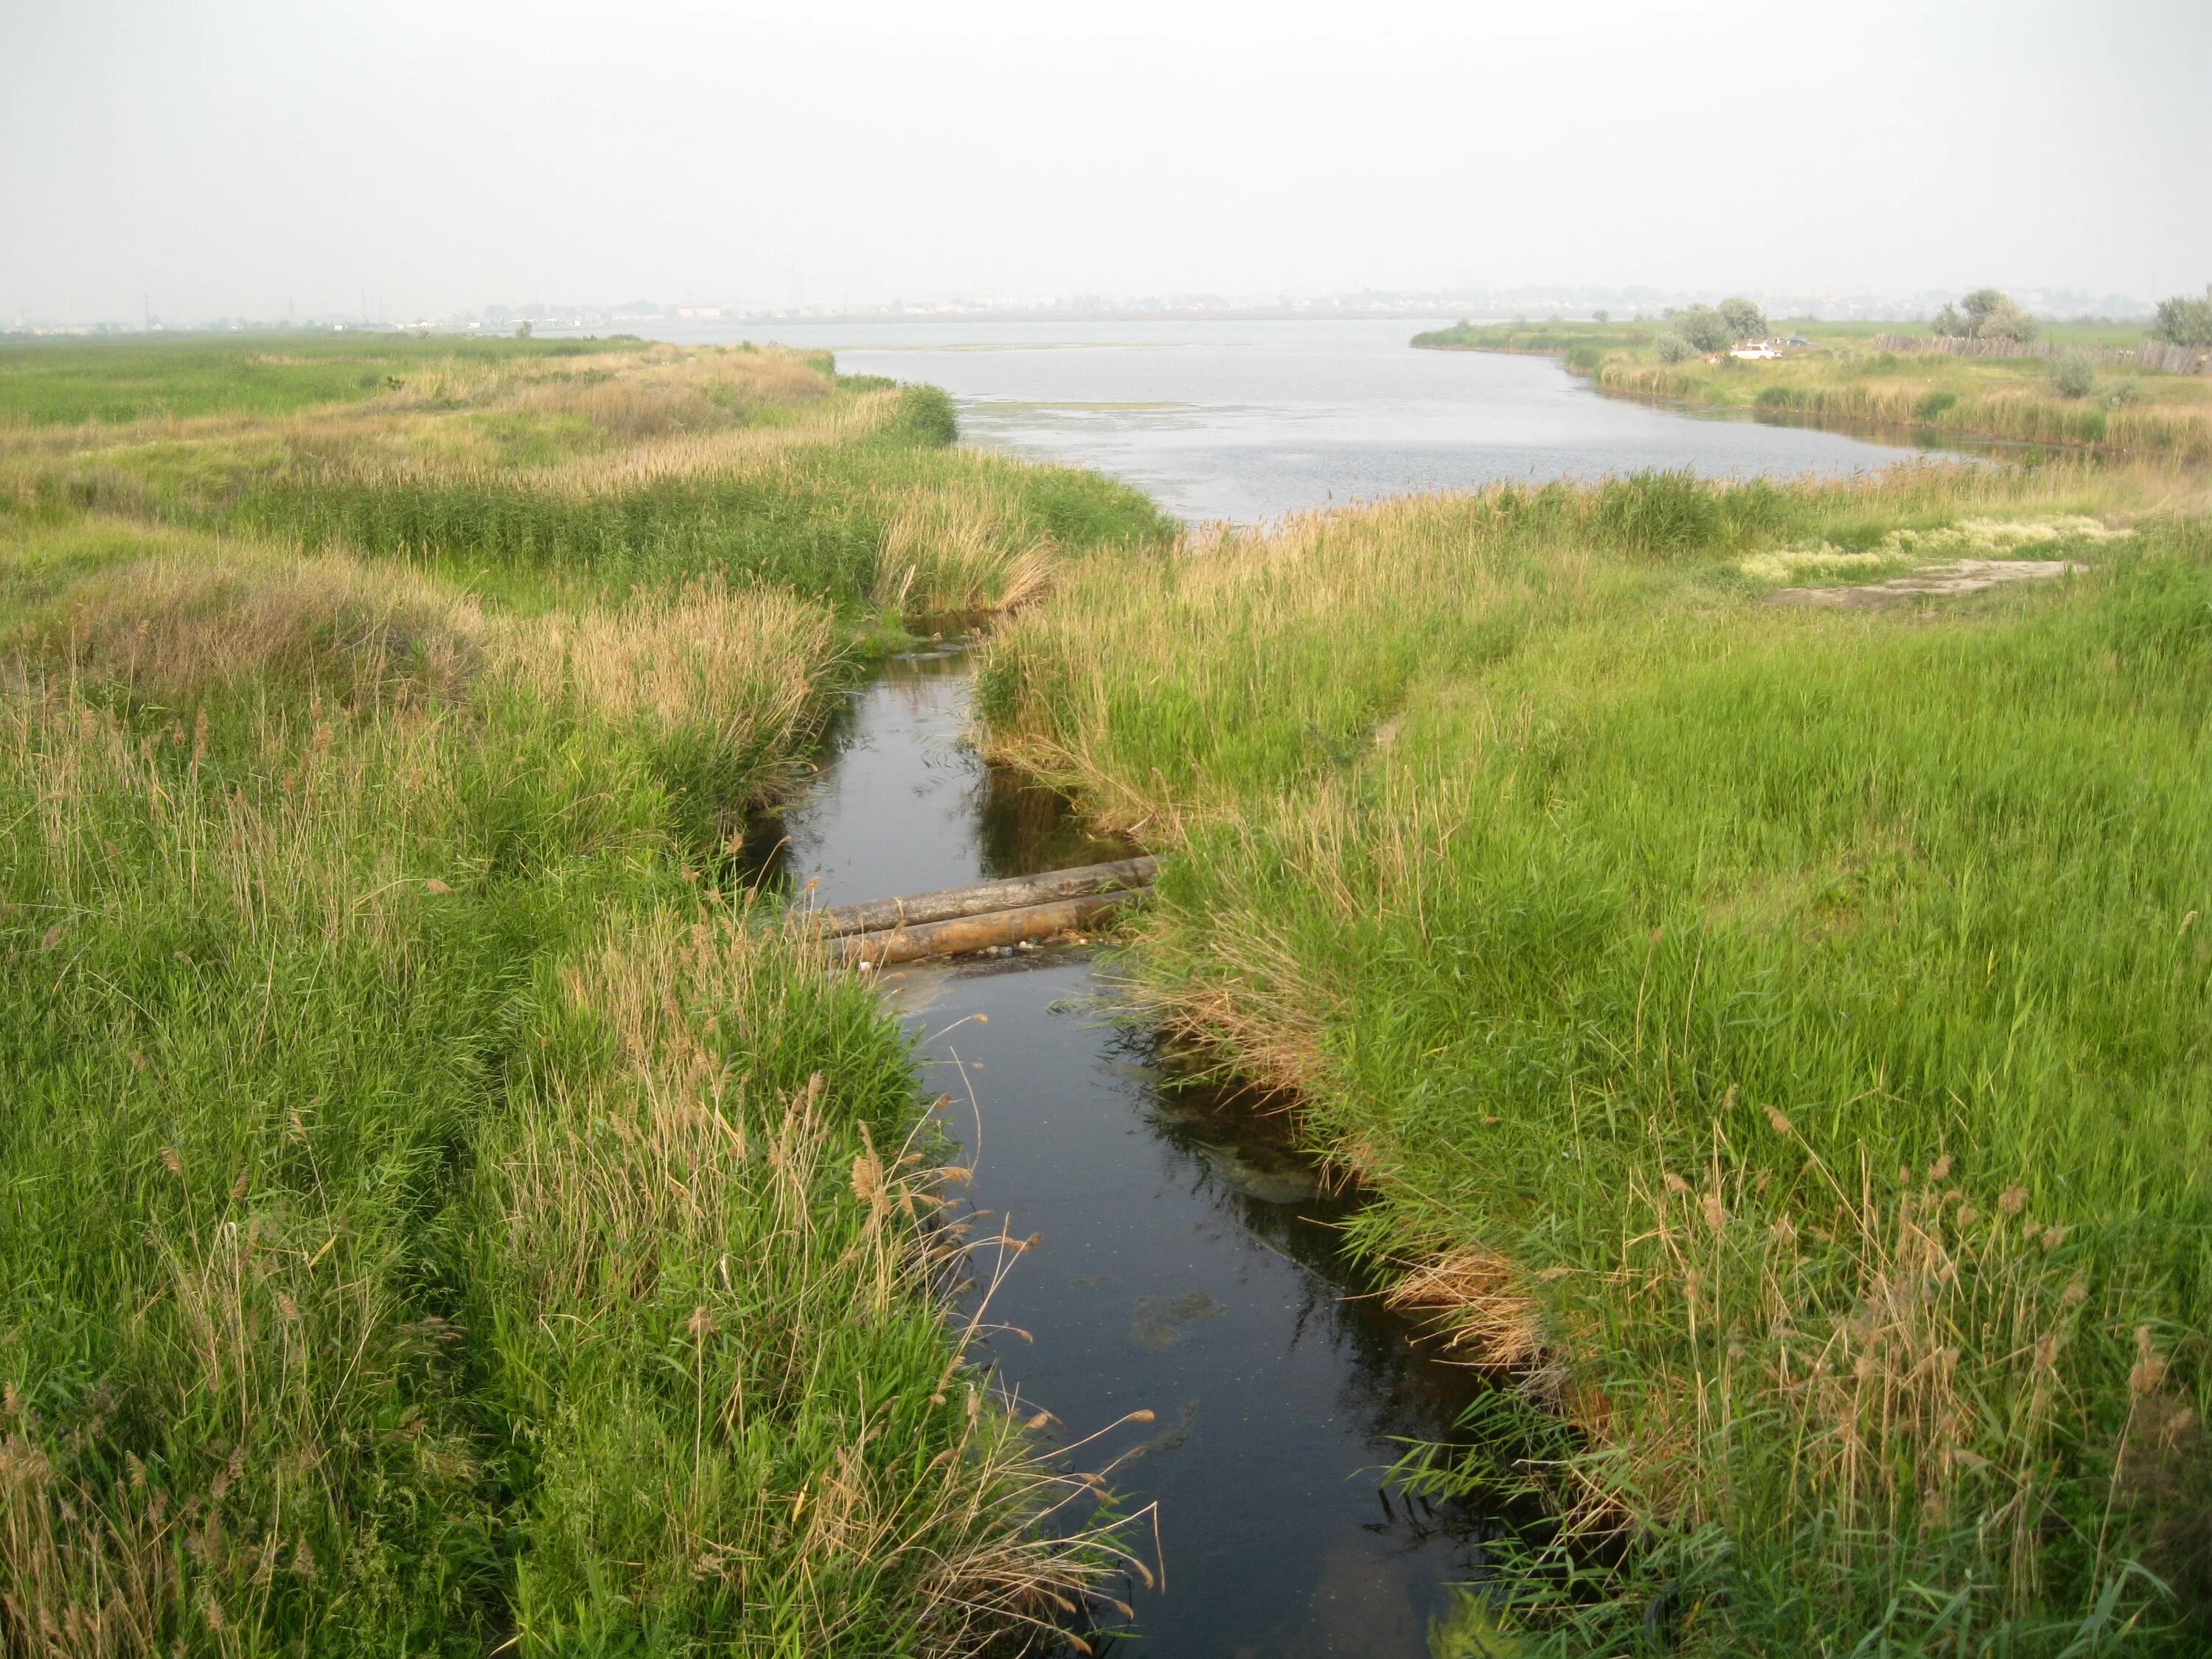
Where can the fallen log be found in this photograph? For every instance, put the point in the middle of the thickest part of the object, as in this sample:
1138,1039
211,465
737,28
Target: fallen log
876,915
957,935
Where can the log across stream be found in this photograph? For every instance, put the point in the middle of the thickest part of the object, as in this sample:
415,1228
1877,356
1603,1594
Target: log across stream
983,916
1188,1261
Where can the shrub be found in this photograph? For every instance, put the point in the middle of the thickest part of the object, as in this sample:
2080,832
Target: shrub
1673,349
1948,324
2072,376
2184,321
1704,328
2127,391
1935,403
1773,396
1745,321
1582,359
1991,315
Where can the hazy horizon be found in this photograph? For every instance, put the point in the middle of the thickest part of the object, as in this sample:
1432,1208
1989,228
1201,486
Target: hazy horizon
198,160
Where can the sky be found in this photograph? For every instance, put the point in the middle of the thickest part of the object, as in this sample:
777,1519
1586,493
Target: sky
198,158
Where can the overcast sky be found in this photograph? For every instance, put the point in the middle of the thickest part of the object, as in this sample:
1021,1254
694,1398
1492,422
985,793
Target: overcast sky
234,156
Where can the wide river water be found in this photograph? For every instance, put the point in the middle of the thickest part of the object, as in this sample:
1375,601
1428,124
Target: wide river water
1187,1263
1248,421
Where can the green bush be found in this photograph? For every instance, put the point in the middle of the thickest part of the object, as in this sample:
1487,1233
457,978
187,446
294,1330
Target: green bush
2072,376
1935,403
926,416
1745,321
1673,349
1706,328
2186,321
1992,314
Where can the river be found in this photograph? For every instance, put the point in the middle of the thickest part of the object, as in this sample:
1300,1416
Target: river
1247,421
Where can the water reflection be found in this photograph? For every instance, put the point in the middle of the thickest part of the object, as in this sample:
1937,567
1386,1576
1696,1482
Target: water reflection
904,805
1251,420
1187,1261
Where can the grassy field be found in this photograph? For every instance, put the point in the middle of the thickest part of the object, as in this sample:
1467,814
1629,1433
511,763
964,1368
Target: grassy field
1842,381
441,1212
203,375
605,468
1775,1035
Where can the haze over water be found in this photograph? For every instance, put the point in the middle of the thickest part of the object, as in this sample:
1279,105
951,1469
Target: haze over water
1247,421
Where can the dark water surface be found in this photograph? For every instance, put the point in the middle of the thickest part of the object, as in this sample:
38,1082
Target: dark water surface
1247,421
1186,1262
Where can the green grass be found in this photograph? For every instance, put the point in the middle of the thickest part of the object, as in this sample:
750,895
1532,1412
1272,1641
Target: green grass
66,381
1843,381
440,1208
1776,1036
616,469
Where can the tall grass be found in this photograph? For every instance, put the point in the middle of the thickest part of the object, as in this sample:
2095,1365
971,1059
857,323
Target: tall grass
438,1216
1774,1038
752,465
2157,416
2019,407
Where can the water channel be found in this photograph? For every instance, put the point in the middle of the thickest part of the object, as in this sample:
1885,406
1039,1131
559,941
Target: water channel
1188,1264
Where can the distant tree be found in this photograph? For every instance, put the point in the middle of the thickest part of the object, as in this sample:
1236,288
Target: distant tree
1704,328
1600,315
1948,324
522,328
1992,315
1673,349
1745,321
2072,376
2184,321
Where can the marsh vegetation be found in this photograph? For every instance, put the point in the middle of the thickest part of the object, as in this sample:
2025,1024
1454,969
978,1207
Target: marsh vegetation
443,1213
1775,1035
1843,378
437,1211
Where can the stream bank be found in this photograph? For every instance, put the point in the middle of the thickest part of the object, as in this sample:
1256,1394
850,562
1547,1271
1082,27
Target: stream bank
1188,1264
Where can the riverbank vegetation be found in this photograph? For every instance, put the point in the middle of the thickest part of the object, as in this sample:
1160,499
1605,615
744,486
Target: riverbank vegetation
440,1215
1892,377
1773,1033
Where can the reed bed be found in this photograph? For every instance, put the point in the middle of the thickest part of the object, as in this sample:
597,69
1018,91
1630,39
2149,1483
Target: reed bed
642,466
1773,1036
1903,395
1842,380
441,1217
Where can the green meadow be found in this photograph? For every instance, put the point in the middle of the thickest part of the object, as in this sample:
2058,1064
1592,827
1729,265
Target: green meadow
1842,380
446,1212
443,1213
1774,1033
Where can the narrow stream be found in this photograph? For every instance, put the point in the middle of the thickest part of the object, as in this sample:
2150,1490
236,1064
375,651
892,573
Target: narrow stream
1187,1263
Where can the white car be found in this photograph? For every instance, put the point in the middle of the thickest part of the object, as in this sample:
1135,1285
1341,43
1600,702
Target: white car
1753,348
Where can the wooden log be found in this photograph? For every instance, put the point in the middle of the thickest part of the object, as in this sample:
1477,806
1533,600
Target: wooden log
957,935
878,914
